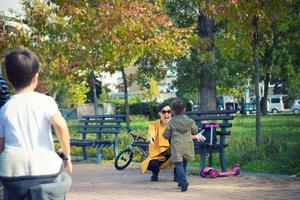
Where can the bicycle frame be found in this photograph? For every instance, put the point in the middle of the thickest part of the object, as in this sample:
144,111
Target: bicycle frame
124,158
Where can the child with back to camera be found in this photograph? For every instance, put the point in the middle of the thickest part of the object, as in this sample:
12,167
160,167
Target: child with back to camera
179,131
29,166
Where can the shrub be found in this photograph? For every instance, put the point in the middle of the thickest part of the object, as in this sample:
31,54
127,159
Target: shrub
147,109
187,103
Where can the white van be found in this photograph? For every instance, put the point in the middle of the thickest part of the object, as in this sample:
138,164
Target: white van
275,104
296,106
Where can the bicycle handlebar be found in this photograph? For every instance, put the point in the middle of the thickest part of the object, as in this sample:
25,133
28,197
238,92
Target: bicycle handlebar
136,137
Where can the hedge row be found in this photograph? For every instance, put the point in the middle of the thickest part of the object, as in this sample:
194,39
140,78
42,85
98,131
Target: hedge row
148,109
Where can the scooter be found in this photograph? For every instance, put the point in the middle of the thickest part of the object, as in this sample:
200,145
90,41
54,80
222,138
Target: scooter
210,170
213,173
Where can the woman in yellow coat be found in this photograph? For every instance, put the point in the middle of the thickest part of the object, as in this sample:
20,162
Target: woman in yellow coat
159,147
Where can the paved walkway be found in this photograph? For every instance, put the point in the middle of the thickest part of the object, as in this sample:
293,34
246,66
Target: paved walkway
92,182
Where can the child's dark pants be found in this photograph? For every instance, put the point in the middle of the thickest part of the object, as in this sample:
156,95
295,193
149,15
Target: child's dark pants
181,172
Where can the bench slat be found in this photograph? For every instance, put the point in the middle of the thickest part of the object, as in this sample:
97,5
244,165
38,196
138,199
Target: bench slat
211,112
99,126
103,116
79,142
97,131
201,144
106,121
213,117
223,132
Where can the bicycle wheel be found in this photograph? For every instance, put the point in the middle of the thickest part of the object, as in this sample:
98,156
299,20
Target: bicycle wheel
123,158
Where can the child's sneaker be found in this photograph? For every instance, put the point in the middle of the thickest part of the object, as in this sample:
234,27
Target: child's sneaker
184,187
154,178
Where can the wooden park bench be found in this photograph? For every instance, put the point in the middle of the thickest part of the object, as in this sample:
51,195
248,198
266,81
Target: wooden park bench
98,131
220,117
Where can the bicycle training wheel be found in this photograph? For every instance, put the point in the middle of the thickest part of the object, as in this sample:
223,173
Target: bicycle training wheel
123,159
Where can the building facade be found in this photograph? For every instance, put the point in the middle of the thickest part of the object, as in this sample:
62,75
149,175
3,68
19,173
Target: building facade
10,21
116,84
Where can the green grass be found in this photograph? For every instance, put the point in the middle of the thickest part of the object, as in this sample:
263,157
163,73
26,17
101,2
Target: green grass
279,147
277,153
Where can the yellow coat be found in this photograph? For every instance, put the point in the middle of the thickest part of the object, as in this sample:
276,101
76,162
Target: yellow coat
160,145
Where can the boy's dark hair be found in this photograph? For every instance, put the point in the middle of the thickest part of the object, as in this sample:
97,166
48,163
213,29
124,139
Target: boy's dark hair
162,105
21,66
178,106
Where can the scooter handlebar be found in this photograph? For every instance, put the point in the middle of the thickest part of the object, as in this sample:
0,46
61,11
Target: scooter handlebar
211,125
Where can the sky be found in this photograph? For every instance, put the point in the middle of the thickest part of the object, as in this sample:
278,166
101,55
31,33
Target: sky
14,4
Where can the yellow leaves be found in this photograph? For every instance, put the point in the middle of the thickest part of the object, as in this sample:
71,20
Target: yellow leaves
116,2
129,29
77,92
41,8
58,20
107,35
236,92
153,92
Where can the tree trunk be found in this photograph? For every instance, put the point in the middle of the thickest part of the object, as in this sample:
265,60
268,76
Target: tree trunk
256,64
95,97
207,77
207,91
95,93
126,98
266,92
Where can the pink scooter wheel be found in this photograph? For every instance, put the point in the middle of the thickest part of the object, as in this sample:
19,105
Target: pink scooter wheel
203,173
213,173
237,172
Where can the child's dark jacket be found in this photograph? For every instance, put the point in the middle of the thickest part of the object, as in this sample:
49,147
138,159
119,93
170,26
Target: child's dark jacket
180,130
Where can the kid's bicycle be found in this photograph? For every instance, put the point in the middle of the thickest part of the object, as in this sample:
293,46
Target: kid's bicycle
124,157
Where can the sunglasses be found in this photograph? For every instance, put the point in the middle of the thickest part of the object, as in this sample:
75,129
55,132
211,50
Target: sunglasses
165,111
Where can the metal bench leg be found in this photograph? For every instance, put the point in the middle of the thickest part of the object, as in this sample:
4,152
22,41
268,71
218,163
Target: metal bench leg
202,159
84,154
223,160
99,156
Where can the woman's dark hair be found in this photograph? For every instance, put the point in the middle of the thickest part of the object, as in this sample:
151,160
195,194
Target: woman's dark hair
178,106
21,66
162,105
